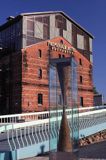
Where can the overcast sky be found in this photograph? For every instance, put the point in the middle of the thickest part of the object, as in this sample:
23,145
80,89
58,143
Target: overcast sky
90,14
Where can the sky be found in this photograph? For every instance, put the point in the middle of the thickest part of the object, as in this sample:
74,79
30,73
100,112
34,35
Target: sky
90,14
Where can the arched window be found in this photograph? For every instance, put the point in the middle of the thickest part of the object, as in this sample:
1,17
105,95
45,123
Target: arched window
61,41
39,73
59,55
39,53
80,61
40,98
81,101
81,79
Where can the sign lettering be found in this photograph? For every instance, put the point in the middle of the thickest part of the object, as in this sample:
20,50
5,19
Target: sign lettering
60,47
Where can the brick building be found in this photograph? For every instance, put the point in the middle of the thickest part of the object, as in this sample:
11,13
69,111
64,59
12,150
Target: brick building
24,59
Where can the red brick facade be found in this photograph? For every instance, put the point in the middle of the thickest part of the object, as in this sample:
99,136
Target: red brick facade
20,82
25,55
32,84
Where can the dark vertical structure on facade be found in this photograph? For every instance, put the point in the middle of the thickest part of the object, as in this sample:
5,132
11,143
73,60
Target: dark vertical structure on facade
63,81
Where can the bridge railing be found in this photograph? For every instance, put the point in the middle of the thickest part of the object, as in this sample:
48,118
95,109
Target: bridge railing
26,117
24,134
28,133
89,116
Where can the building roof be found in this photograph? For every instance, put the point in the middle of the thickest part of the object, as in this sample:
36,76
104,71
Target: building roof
42,13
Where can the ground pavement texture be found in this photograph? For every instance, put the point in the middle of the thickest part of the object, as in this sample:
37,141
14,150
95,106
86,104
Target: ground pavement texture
95,151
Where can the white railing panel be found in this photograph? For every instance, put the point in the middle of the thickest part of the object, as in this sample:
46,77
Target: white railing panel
25,117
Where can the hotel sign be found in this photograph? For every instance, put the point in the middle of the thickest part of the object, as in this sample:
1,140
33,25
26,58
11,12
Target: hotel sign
60,47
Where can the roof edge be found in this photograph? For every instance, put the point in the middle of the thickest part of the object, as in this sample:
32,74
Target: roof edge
47,12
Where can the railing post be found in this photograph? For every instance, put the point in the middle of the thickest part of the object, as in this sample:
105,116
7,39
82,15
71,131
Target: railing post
13,137
21,137
8,139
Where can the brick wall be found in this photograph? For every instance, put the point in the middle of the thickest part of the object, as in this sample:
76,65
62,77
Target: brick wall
32,85
20,93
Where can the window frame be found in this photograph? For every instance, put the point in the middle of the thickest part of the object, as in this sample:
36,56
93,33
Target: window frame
81,80
40,99
82,101
80,61
39,53
40,73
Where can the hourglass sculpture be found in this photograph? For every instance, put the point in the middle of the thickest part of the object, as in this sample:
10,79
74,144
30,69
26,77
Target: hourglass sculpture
64,128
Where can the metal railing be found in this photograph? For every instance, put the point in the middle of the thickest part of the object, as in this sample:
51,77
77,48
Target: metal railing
19,135
26,134
26,117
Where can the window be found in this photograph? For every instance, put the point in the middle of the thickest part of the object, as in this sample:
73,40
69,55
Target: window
80,61
39,73
80,41
59,55
90,44
39,53
61,32
30,25
40,98
45,31
61,41
91,58
38,30
81,79
81,101
60,22
63,56
85,43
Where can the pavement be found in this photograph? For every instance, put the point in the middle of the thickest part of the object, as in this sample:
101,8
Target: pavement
95,151
37,158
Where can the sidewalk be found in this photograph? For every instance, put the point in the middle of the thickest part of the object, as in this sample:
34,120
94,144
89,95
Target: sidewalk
90,152
37,158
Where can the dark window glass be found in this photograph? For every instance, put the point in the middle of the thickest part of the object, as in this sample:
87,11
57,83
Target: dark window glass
46,20
30,40
61,41
39,19
39,73
81,101
61,32
81,79
85,43
63,56
59,55
45,32
39,53
64,23
90,73
9,36
40,98
60,22
80,61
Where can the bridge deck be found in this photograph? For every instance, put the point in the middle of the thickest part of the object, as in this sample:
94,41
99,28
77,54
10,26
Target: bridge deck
26,136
